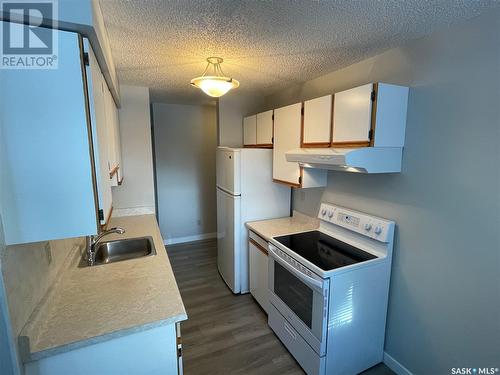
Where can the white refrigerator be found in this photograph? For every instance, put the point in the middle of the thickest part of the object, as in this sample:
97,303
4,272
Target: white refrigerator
245,192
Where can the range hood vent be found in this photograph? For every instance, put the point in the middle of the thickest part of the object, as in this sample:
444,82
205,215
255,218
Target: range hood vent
361,160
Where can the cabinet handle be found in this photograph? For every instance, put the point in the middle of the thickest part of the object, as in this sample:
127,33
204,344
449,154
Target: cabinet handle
290,332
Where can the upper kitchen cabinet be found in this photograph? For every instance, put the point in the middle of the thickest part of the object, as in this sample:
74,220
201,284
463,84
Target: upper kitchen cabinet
250,131
114,147
317,129
97,93
265,129
45,155
287,131
258,130
370,115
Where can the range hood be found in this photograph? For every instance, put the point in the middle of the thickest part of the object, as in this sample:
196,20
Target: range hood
361,160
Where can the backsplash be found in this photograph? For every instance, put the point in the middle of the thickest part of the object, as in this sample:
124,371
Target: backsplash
28,270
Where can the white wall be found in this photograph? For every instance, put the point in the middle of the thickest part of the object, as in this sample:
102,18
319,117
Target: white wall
231,108
136,194
444,303
185,138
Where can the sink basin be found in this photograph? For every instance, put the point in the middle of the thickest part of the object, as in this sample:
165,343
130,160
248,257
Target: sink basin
119,250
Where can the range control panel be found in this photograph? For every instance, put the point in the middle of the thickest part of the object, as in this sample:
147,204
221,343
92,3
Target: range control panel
367,225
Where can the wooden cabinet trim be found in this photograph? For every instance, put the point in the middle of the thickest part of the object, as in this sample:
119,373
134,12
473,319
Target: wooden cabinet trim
113,171
257,245
316,145
259,146
351,144
291,184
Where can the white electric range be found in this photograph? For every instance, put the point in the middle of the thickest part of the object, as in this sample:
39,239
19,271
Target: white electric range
328,291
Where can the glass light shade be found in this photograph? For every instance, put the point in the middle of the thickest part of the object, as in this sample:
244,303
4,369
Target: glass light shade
215,86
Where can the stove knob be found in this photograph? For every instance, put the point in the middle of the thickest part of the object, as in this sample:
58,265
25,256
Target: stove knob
323,212
378,230
330,214
368,227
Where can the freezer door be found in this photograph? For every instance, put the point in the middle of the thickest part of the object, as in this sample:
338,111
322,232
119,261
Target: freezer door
228,234
228,170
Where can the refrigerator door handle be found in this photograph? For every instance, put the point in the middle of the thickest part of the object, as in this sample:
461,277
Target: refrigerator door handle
228,192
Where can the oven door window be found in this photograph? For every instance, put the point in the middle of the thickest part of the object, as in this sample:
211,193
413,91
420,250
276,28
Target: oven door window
294,293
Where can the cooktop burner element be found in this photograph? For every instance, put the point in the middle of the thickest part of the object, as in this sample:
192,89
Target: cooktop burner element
324,251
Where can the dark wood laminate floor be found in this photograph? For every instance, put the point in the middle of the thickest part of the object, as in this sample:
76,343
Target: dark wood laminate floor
225,333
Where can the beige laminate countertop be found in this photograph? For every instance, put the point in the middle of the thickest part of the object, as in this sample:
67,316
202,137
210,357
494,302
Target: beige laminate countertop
286,225
94,304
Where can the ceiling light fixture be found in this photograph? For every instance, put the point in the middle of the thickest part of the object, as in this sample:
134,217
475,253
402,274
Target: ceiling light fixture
217,84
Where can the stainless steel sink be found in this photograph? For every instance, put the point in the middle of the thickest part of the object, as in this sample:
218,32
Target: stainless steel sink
119,250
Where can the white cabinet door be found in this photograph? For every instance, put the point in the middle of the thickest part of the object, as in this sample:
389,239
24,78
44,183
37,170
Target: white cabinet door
258,274
113,137
287,124
352,116
317,122
46,189
265,129
250,131
96,91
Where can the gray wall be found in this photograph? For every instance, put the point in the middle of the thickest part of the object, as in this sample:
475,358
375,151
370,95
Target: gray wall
136,195
444,308
27,272
185,138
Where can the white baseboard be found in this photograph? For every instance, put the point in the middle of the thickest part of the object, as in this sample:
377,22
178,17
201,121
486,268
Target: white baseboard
395,366
197,237
133,211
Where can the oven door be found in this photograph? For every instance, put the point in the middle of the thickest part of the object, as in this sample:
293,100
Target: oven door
300,296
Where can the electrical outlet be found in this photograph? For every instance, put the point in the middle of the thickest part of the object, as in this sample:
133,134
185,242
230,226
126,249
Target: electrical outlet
48,252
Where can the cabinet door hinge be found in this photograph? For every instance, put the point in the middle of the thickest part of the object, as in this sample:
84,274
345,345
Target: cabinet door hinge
373,96
302,111
101,214
272,140
370,134
300,180
273,117
86,58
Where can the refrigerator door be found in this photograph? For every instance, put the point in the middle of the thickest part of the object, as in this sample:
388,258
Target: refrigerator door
228,170
228,235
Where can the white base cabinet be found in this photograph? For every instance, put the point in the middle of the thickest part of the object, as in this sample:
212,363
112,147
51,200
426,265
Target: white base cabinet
257,257
153,351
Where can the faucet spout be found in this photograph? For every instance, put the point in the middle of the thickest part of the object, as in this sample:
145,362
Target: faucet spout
93,241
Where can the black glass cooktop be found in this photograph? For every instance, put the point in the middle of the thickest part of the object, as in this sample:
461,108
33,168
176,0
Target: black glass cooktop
324,251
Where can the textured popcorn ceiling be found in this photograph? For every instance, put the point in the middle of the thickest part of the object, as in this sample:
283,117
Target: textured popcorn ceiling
266,45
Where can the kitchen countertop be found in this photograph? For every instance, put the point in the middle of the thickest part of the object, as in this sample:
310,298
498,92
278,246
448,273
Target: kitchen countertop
286,225
89,305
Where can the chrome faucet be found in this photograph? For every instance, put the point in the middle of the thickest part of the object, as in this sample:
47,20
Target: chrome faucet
91,243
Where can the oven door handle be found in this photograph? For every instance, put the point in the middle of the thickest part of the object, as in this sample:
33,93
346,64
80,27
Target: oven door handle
312,283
